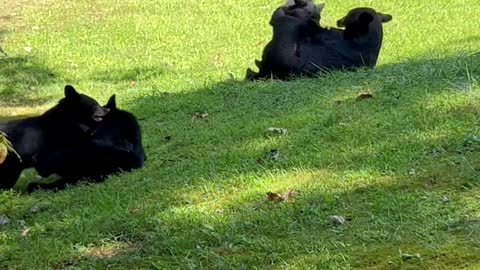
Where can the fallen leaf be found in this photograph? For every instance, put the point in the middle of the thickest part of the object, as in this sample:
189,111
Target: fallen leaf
281,197
200,115
274,197
337,220
406,256
4,220
288,195
25,232
3,152
259,160
210,227
274,154
134,210
363,96
445,199
217,60
276,131
5,147
35,209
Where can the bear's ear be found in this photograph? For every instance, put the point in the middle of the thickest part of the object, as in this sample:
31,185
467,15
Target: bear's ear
384,18
70,92
319,7
112,103
341,22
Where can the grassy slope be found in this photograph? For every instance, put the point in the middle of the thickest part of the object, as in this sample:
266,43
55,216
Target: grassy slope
387,163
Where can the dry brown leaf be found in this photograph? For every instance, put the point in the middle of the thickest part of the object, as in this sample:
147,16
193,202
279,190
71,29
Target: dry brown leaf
363,96
3,152
259,160
25,232
4,220
35,209
274,197
217,60
199,115
276,131
281,197
337,220
288,195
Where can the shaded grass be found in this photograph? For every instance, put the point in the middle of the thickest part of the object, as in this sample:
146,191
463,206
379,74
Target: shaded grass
403,166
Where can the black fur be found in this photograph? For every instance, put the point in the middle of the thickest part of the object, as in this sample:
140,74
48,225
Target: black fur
305,10
115,146
67,122
318,49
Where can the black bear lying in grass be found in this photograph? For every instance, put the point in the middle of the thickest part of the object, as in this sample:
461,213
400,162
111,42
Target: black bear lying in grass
114,146
301,47
71,120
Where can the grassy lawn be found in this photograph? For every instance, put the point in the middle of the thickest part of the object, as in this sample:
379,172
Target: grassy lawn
402,167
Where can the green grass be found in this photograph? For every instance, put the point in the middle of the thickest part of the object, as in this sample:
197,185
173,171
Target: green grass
403,167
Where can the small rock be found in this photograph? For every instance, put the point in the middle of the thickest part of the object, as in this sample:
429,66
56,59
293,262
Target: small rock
337,220
4,220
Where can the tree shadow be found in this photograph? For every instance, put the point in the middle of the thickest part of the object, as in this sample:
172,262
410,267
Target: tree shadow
331,135
131,75
19,79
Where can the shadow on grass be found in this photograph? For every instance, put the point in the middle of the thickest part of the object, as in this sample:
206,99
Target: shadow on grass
19,78
389,162
131,75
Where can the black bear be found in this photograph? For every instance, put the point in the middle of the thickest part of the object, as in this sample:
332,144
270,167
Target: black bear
356,46
114,146
299,47
69,121
293,25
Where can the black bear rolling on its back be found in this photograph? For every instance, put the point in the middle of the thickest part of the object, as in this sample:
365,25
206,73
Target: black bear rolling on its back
317,50
69,121
115,146
293,25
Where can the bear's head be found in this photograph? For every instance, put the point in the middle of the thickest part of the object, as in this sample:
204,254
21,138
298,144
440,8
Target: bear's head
76,110
82,107
360,21
305,10
121,129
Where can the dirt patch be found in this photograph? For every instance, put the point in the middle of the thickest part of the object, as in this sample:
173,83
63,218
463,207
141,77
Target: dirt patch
9,10
8,15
